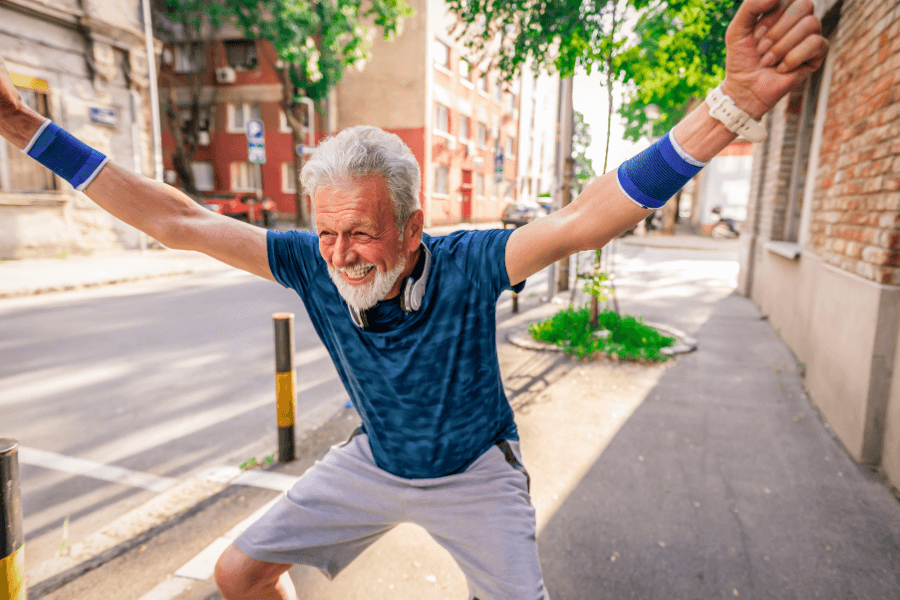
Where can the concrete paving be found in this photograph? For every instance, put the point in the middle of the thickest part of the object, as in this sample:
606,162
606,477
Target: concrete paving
709,476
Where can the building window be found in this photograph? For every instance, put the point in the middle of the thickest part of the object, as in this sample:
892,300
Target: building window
441,118
441,54
22,173
481,84
510,146
481,137
465,70
479,184
241,54
463,127
802,158
203,176
510,101
244,177
288,177
190,58
239,114
441,183
498,91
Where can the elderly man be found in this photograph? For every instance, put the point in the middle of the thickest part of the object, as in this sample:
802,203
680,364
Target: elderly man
409,319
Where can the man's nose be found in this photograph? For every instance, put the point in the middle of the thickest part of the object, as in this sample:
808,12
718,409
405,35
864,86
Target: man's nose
343,254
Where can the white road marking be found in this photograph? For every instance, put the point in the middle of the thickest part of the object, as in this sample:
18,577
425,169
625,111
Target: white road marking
202,566
168,589
148,481
90,468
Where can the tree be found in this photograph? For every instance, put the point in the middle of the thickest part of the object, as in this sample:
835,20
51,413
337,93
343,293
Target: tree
187,109
675,55
679,54
581,141
315,41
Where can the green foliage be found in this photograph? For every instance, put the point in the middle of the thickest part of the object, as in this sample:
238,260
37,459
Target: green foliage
581,141
554,34
675,55
629,338
678,57
595,280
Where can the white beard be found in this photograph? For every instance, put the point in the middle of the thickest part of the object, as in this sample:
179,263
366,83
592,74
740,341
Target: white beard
364,297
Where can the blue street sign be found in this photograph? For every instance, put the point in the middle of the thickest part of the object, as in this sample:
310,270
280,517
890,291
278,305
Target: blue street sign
256,142
304,150
106,116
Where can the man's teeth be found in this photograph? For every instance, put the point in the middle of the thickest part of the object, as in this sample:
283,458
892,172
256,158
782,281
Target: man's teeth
357,272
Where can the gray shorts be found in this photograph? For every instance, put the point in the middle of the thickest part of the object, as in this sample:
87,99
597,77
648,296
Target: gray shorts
483,516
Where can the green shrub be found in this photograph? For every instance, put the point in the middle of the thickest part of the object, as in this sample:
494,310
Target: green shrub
630,339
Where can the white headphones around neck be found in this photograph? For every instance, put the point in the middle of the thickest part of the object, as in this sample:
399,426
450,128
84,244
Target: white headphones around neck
411,293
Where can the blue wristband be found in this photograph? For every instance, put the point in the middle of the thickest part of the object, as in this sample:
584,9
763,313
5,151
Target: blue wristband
650,178
65,155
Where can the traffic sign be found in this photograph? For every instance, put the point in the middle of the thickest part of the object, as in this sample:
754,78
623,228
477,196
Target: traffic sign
256,142
304,150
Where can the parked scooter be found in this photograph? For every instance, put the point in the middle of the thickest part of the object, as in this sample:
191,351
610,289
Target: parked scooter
724,227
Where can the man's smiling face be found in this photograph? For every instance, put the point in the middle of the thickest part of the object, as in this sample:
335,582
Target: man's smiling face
366,254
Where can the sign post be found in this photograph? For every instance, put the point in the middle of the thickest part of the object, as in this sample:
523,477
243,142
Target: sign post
256,154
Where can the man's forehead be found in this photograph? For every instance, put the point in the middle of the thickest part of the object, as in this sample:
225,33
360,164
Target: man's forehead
364,197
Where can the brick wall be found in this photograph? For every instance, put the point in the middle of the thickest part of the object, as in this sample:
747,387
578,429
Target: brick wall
856,207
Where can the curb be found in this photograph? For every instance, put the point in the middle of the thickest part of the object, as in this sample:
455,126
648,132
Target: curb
158,515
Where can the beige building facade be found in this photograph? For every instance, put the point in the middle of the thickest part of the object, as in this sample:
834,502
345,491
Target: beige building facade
82,63
821,245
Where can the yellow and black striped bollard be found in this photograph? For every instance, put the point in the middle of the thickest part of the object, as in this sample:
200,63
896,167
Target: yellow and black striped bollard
285,389
12,543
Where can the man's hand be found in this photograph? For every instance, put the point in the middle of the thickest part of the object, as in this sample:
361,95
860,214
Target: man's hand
17,122
771,46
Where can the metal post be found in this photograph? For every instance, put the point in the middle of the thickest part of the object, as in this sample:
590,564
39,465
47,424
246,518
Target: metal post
285,389
564,166
12,543
515,307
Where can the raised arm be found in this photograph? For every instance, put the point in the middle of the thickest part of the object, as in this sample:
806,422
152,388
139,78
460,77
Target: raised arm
160,210
771,47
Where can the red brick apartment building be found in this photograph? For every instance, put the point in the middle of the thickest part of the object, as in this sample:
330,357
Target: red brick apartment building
461,123
821,244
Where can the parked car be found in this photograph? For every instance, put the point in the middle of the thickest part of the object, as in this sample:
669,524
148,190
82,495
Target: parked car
522,213
243,206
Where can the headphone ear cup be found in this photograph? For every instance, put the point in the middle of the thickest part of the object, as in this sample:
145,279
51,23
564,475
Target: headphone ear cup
406,296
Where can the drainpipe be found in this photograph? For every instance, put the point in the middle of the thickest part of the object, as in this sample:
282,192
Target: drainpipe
153,92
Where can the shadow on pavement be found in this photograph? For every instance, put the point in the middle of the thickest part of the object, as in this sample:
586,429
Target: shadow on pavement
725,483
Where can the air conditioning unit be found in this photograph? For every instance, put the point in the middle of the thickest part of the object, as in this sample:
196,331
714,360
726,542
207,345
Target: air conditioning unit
225,75
203,138
451,143
470,149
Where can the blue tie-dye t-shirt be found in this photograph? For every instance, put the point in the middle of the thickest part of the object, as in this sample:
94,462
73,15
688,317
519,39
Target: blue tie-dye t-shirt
426,384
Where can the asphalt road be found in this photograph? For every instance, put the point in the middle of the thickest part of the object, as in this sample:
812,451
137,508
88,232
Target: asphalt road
161,378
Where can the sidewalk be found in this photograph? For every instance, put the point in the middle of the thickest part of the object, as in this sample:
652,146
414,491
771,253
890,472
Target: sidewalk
710,476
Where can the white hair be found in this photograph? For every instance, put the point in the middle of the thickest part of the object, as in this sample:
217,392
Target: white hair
365,150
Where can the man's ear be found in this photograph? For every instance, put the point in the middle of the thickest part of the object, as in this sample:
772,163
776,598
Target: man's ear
412,236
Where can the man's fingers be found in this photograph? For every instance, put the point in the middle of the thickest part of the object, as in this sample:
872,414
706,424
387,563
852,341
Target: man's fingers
806,27
787,20
748,15
809,54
